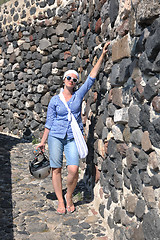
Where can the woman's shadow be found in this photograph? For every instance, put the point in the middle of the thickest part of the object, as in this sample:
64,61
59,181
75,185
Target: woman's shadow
80,194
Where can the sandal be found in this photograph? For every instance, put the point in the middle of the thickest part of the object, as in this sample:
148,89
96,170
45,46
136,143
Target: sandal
61,211
71,209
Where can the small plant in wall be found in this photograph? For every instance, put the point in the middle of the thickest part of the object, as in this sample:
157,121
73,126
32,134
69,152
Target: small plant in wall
35,140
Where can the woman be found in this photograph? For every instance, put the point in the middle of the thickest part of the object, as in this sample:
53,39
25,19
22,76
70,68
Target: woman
59,133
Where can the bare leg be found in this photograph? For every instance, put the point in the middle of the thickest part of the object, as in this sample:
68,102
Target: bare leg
72,179
57,185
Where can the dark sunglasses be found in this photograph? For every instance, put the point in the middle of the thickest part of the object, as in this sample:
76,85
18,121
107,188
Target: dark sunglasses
74,79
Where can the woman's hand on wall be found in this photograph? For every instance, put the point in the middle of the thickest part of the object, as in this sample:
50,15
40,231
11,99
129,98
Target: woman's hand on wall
105,48
97,66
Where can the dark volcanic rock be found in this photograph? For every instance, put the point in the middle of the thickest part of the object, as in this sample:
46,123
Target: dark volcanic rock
151,225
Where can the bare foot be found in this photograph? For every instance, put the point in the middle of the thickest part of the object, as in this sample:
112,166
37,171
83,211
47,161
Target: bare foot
70,206
61,208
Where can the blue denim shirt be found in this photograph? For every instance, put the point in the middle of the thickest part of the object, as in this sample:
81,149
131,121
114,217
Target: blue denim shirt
57,114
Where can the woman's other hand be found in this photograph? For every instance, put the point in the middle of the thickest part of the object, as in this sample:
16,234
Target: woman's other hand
44,138
41,146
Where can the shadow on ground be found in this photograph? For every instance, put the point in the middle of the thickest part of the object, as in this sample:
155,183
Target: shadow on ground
80,194
6,205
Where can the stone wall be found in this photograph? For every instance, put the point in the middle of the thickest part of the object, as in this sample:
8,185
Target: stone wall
39,40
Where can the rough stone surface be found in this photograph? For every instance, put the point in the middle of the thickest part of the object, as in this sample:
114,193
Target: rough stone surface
150,223
39,41
121,49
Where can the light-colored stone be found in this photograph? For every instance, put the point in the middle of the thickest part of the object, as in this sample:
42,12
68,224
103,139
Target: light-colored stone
15,115
99,162
117,97
149,196
124,8
1,62
11,86
125,220
10,49
91,219
109,122
44,43
156,104
20,42
109,136
121,49
145,141
146,9
121,115
15,66
36,116
130,203
29,104
42,88
99,145
117,133
153,161
62,27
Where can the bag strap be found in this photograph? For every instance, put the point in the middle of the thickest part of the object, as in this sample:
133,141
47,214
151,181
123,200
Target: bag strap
79,139
70,115
61,96
63,99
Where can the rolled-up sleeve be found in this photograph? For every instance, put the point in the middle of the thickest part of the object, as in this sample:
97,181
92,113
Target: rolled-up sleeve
86,86
51,114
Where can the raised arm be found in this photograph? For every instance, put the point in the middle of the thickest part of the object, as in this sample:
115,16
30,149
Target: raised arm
97,66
